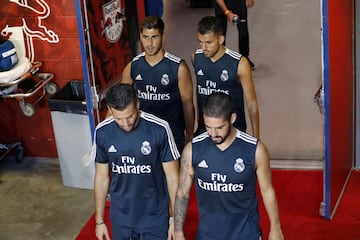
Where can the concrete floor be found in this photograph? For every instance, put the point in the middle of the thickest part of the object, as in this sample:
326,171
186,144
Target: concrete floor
34,203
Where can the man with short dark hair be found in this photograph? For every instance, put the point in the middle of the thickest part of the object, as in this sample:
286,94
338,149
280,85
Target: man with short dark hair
140,151
225,165
163,81
219,69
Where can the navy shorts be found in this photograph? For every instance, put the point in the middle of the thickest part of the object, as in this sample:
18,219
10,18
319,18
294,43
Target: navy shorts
120,232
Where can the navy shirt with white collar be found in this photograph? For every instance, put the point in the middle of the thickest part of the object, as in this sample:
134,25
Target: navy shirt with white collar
138,188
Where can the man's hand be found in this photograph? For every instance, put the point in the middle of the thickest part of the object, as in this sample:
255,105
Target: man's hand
179,235
101,232
171,229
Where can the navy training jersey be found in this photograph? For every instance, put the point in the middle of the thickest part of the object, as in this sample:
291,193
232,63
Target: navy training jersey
225,183
138,188
220,76
158,90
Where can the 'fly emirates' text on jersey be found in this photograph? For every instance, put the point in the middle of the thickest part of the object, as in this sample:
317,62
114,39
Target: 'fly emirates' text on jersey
138,188
225,183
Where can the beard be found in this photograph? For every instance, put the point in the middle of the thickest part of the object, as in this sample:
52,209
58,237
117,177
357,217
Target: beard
220,139
131,127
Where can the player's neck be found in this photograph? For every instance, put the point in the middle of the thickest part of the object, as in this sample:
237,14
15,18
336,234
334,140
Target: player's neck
218,54
156,58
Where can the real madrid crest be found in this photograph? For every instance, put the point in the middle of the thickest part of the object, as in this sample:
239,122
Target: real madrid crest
224,75
165,79
145,148
239,165
113,20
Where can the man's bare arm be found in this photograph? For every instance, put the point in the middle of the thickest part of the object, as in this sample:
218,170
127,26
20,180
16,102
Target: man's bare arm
186,93
183,191
245,78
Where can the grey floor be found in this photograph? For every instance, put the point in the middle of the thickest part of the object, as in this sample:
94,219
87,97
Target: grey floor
285,46
35,205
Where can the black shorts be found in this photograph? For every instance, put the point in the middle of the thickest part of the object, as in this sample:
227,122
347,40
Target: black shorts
120,232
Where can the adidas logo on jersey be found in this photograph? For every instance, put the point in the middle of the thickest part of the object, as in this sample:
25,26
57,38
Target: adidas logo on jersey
200,73
112,149
203,164
138,77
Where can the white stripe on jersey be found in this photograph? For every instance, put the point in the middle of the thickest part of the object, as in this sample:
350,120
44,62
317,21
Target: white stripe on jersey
239,134
228,51
93,152
233,54
138,56
246,137
172,57
200,137
152,118
197,51
106,121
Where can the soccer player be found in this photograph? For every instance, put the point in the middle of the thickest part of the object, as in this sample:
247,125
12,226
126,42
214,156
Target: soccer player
139,150
225,164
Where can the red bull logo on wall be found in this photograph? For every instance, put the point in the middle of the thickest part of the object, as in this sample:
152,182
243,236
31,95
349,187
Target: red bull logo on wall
28,31
113,20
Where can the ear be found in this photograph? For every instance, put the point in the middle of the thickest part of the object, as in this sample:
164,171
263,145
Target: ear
109,112
233,118
222,39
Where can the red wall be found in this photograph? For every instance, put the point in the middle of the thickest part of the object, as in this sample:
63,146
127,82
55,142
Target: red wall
62,58
341,66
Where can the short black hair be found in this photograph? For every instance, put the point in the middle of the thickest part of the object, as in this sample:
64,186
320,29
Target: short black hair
218,105
211,24
152,22
121,95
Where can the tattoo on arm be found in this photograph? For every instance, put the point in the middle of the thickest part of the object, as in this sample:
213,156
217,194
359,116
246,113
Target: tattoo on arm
181,207
182,195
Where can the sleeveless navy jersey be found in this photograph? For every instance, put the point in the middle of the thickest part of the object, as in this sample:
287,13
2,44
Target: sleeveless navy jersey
225,183
158,90
138,188
220,76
